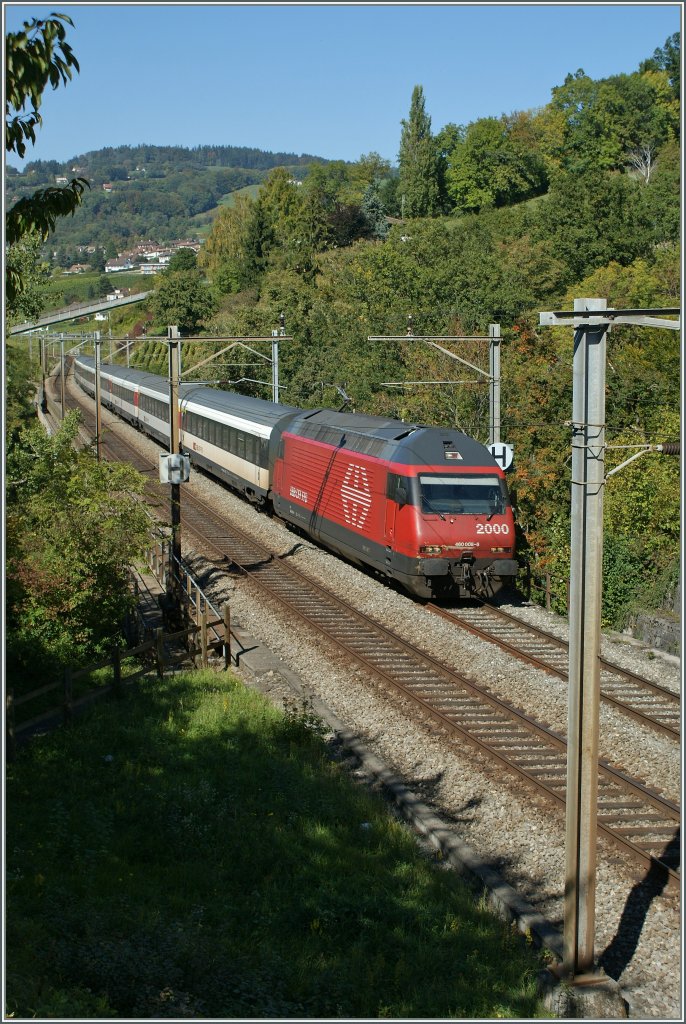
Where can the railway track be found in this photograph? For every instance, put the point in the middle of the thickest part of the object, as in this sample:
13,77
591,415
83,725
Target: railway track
635,818
646,702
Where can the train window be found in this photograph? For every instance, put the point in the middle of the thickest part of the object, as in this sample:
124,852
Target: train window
398,489
457,495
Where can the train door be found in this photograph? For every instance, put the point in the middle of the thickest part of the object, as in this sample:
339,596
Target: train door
389,523
390,520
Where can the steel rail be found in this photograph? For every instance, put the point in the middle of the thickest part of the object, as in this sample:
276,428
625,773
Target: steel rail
661,717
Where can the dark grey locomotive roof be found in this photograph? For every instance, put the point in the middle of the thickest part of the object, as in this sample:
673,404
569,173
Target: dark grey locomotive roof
404,443
254,410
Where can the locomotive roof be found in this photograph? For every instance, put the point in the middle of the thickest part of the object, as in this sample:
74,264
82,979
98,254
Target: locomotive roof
406,443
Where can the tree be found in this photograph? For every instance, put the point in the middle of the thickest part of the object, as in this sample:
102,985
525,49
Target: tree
181,297
73,529
22,261
495,164
183,259
419,163
373,211
35,57
667,58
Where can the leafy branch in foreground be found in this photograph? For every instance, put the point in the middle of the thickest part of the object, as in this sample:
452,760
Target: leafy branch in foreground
31,63
34,58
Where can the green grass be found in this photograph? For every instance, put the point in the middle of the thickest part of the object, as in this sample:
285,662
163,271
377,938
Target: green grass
251,191
190,851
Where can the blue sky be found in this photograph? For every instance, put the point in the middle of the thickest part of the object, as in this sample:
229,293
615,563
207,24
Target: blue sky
333,80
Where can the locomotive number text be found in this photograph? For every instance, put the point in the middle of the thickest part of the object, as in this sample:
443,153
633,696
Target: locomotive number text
492,528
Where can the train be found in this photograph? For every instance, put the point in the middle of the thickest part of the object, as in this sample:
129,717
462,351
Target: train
426,507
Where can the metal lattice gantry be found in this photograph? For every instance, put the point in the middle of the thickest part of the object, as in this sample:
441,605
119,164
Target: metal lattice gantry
492,375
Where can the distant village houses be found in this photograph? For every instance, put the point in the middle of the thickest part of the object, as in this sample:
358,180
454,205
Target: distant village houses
149,257
118,263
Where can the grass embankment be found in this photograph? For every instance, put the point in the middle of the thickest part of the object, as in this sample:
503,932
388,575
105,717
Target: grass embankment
191,851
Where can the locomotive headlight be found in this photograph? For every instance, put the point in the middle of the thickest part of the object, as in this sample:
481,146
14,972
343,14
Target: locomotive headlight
430,549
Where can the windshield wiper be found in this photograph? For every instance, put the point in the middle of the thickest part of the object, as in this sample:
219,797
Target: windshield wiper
432,508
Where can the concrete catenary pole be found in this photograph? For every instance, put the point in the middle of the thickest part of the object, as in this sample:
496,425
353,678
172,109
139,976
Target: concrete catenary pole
281,333
588,479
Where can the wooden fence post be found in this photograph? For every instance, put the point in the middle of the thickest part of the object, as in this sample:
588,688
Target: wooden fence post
10,741
203,636
67,706
116,669
227,636
159,651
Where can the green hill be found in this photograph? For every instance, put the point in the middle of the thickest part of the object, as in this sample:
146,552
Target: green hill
156,192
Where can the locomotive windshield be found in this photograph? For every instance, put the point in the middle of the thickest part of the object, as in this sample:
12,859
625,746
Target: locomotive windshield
456,495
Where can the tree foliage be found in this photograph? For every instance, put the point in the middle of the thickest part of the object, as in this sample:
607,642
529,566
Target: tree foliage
494,164
36,57
419,162
73,528
23,263
182,298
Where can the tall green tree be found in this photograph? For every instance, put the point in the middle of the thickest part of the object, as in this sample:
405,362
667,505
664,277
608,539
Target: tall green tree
36,57
225,256
419,163
182,298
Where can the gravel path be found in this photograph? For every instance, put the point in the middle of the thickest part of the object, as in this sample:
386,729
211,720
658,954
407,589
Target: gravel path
638,928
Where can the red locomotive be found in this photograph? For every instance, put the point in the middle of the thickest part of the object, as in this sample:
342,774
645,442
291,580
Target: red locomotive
425,506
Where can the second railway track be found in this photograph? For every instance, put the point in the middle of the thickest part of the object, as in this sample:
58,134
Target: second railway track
631,815
646,702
